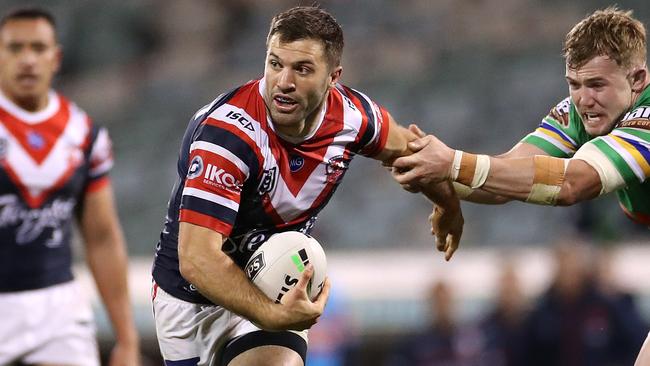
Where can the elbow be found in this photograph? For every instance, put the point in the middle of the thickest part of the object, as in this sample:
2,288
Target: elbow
188,266
188,269
569,195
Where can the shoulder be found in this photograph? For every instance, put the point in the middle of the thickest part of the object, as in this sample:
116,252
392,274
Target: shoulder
235,93
561,112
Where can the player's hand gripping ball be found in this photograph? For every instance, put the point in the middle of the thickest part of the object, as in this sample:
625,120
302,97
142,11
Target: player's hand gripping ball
276,266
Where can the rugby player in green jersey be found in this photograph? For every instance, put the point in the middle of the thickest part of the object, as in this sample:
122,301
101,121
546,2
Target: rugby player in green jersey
594,142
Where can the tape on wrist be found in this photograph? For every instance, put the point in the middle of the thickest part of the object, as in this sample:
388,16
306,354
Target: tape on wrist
462,191
455,165
548,179
470,169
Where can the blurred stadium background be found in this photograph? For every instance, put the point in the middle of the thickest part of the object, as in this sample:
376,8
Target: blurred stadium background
478,74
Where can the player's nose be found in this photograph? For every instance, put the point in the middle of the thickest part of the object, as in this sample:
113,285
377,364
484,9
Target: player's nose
286,80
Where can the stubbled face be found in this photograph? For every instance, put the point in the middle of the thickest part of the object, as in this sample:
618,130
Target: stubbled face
29,58
602,92
298,78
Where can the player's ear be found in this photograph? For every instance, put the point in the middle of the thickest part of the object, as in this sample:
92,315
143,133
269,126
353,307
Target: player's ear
639,77
335,75
59,57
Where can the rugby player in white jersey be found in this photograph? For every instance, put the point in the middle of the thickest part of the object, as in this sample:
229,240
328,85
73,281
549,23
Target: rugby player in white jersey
53,171
594,142
264,158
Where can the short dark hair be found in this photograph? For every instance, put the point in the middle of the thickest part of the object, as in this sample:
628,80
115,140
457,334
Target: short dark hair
28,13
309,22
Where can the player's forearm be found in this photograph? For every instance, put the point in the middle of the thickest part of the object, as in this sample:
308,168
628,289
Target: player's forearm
478,195
218,278
510,178
107,260
537,179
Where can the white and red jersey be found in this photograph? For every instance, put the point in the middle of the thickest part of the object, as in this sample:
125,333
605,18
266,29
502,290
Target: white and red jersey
48,161
238,177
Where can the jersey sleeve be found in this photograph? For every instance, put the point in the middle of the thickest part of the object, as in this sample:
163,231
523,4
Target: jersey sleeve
100,160
221,158
373,131
556,134
626,150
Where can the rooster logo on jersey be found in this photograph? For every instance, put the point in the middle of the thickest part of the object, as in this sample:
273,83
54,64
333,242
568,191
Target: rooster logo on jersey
336,167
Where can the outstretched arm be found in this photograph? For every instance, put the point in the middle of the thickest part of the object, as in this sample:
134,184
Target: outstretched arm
107,260
536,179
447,220
217,277
482,196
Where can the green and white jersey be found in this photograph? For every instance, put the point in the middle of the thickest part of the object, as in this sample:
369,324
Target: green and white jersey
626,148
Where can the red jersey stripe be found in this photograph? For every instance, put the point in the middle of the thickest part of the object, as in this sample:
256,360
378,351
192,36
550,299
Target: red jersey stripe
205,221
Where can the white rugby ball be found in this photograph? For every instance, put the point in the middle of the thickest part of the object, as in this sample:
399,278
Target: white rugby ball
276,266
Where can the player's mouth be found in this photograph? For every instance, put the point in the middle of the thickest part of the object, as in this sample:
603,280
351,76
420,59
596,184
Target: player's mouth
27,80
285,104
592,118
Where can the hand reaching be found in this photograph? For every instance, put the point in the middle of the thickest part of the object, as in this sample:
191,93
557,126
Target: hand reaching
447,226
430,162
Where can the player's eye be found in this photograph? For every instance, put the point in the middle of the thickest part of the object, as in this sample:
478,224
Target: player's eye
39,47
274,64
14,47
303,70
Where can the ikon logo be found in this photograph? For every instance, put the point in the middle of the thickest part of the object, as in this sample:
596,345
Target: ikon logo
215,174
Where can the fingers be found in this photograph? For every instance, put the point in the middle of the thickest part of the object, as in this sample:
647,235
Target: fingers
404,163
411,188
441,242
407,177
453,240
419,144
305,278
324,294
416,130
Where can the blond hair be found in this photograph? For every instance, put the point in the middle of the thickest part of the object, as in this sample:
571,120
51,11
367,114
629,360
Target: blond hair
609,32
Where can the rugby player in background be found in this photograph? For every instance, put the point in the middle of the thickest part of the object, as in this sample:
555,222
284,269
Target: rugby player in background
54,165
264,158
594,142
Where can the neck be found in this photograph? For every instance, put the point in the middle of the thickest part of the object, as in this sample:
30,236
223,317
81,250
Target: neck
29,103
32,104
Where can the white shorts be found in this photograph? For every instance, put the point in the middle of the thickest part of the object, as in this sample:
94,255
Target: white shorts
53,325
196,334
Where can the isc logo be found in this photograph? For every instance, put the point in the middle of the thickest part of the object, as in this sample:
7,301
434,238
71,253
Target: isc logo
241,119
217,175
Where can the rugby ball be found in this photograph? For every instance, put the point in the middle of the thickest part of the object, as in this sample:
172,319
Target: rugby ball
276,266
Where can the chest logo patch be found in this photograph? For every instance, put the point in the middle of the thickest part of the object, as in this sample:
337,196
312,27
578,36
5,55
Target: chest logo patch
296,163
336,167
35,140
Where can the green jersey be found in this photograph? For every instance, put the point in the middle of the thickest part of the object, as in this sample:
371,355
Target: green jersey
627,148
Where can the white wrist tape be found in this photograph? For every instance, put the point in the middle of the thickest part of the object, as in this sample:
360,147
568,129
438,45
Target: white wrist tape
455,165
470,169
481,172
